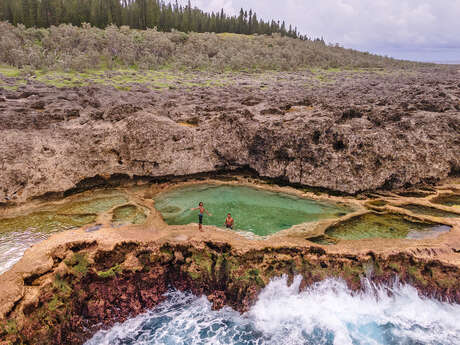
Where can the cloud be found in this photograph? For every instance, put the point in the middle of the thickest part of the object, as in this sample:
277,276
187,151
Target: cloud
374,25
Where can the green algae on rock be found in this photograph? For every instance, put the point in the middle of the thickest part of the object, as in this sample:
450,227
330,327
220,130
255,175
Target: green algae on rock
377,203
258,211
373,225
128,214
96,288
416,193
20,232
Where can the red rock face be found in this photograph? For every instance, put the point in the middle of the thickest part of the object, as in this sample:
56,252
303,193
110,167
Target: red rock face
114,299
218,299
76,305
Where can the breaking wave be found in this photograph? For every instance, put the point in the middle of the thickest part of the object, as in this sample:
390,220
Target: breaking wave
326,313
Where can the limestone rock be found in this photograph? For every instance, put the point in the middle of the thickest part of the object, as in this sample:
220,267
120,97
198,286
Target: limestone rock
363,133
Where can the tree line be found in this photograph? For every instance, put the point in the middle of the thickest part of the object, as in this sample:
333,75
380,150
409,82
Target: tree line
138,14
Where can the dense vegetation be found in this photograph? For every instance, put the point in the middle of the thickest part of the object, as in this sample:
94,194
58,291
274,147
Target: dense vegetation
138,14
150,34
68,47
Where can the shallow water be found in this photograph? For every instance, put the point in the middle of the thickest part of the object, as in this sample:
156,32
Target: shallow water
447,199
19,233
430,211
373,225
258,211
128,214
326,314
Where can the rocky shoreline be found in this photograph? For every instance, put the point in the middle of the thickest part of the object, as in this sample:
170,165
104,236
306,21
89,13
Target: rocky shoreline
361,133
86,287
68,287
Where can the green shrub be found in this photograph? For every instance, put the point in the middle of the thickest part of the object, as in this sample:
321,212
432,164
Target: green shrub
69,47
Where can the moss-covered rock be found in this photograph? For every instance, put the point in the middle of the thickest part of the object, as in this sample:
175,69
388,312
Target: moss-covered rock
97,291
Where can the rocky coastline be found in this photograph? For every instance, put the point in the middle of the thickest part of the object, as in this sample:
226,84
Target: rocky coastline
362,135
68,287
86,286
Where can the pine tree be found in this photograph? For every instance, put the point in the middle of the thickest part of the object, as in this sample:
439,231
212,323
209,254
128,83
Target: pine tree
255,24
44,14
139,14
26,20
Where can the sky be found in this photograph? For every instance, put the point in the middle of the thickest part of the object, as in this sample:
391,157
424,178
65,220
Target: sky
422,30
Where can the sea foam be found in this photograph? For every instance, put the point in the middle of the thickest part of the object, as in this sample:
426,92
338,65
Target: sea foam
326,313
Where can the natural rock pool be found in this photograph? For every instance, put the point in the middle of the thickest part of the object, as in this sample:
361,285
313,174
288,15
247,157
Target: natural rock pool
375,225
128,214
447,199
258,211
431,211
20,232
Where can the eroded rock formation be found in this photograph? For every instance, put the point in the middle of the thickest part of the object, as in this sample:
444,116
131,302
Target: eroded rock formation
357,131
85,286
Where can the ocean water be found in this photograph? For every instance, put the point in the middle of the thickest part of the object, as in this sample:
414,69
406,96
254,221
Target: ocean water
258,211
326,313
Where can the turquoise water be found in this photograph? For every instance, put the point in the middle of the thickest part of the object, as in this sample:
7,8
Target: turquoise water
258,211
327,313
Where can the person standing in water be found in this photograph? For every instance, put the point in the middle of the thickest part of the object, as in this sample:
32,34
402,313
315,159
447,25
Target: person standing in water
229,221
200,216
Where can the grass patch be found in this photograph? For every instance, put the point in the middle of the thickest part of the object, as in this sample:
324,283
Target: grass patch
353,273
252,275
194,275
10,327
9,71
446,282
55,303
394,266
204,261
415,274
126,79
166,250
